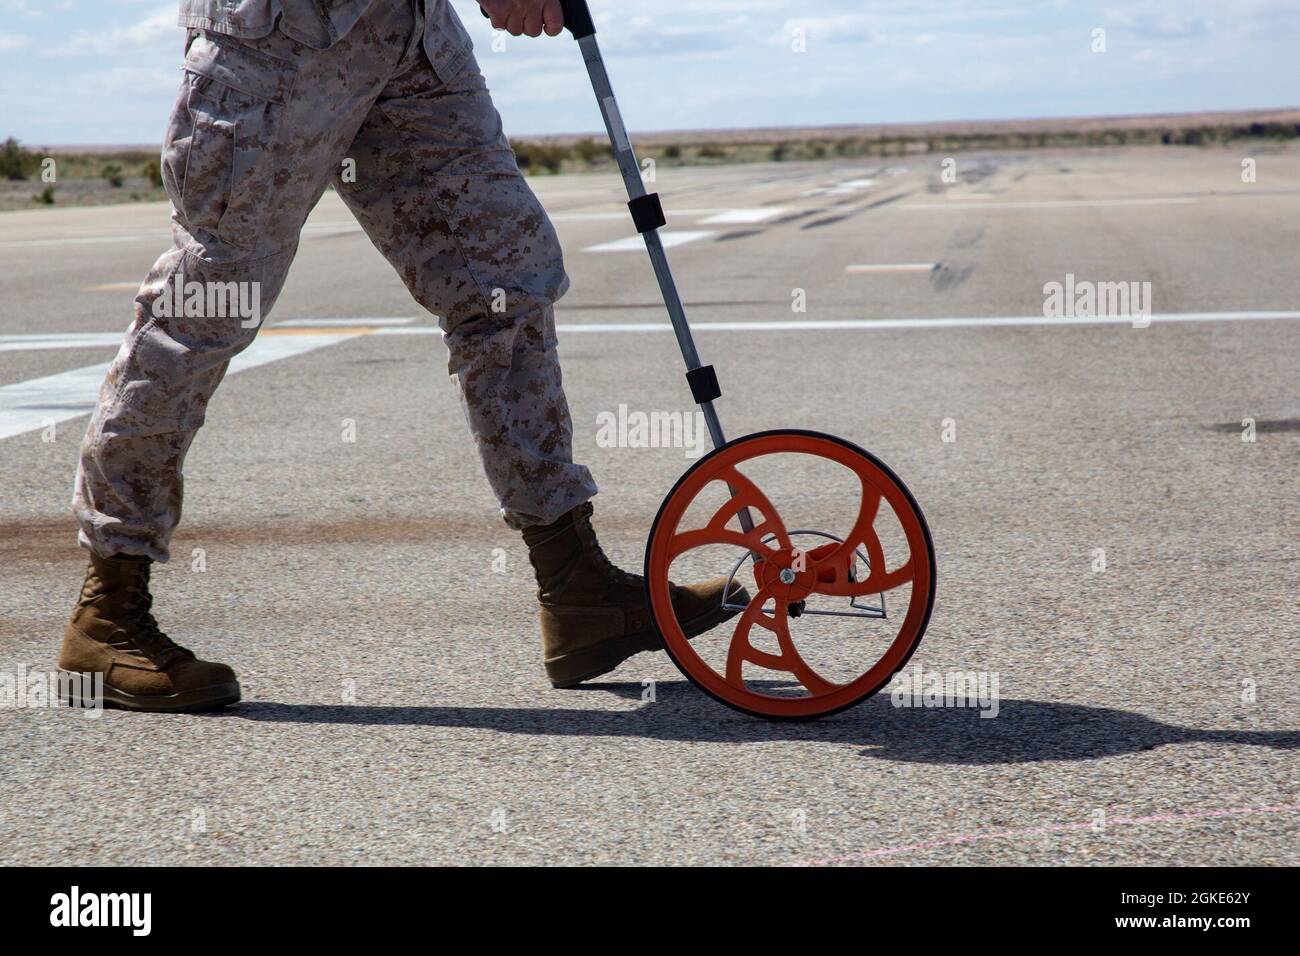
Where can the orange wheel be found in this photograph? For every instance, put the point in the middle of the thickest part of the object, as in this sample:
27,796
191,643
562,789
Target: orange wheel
801,578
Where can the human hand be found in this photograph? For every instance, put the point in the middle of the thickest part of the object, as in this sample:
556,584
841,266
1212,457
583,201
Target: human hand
525,17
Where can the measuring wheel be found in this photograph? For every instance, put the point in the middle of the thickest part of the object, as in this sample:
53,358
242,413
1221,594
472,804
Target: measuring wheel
835,611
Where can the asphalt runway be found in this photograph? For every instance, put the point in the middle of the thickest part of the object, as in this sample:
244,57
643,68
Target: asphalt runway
382,618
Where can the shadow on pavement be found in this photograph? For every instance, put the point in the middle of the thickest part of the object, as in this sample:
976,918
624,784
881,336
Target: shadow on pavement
1024,731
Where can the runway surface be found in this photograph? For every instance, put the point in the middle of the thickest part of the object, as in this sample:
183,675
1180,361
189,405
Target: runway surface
382,618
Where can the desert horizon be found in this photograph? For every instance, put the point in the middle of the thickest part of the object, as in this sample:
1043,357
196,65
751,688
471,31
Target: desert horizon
1081,124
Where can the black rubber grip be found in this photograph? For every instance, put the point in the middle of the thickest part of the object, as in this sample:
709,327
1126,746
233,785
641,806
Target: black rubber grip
647,213
577,18
704,384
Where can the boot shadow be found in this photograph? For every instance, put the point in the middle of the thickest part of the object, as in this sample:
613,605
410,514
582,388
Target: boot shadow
1025,731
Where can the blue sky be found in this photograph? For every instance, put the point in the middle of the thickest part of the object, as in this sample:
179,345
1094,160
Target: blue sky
105,71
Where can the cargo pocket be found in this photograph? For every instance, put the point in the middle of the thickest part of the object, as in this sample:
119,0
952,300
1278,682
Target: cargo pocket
447,43
218,161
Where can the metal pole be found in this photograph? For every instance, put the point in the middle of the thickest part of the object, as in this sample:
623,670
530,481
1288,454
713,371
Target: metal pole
631,170
577,18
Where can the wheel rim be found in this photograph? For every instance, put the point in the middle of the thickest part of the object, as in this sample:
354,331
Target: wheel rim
824,571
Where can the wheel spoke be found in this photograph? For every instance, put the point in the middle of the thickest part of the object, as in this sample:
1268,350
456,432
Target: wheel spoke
789,660
744,494
877,582
830,574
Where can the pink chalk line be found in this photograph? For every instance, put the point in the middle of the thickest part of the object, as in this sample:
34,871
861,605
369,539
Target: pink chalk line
1050,828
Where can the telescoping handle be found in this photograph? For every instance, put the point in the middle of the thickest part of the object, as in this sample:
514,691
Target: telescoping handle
647,213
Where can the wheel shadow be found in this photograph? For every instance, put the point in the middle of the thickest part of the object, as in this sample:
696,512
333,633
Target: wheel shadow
1024,731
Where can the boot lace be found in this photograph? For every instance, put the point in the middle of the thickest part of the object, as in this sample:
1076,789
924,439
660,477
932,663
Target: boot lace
145,634
613,571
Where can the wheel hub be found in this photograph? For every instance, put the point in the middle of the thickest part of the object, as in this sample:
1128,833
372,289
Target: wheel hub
777,572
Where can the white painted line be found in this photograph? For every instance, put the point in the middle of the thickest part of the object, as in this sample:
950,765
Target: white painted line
622,213
159,236
265,350
1054,203
38,402
132,284
343,226
787,325
589,216
67,340
669,238
840,188
695,213
339,323
965,322
899,267
332,232
742,216
316,229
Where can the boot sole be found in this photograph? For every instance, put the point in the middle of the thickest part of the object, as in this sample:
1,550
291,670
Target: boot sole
200,698
602,658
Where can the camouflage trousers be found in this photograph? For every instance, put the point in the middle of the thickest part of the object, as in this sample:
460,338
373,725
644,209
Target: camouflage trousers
261,128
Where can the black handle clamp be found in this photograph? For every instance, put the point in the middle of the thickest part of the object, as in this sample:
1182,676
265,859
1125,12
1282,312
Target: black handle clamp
647,212
577,17
704,384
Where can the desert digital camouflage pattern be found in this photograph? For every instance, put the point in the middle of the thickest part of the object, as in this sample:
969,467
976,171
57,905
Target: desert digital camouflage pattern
264,121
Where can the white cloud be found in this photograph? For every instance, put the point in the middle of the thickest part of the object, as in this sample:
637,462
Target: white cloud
718,63
22,8
157,27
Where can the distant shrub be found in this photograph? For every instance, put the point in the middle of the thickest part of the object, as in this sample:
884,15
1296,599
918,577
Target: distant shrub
589,151
15,162
45,196
673,152
113,173
153,173
536,156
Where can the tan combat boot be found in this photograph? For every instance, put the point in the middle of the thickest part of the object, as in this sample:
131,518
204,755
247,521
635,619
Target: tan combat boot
595,616
113,633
